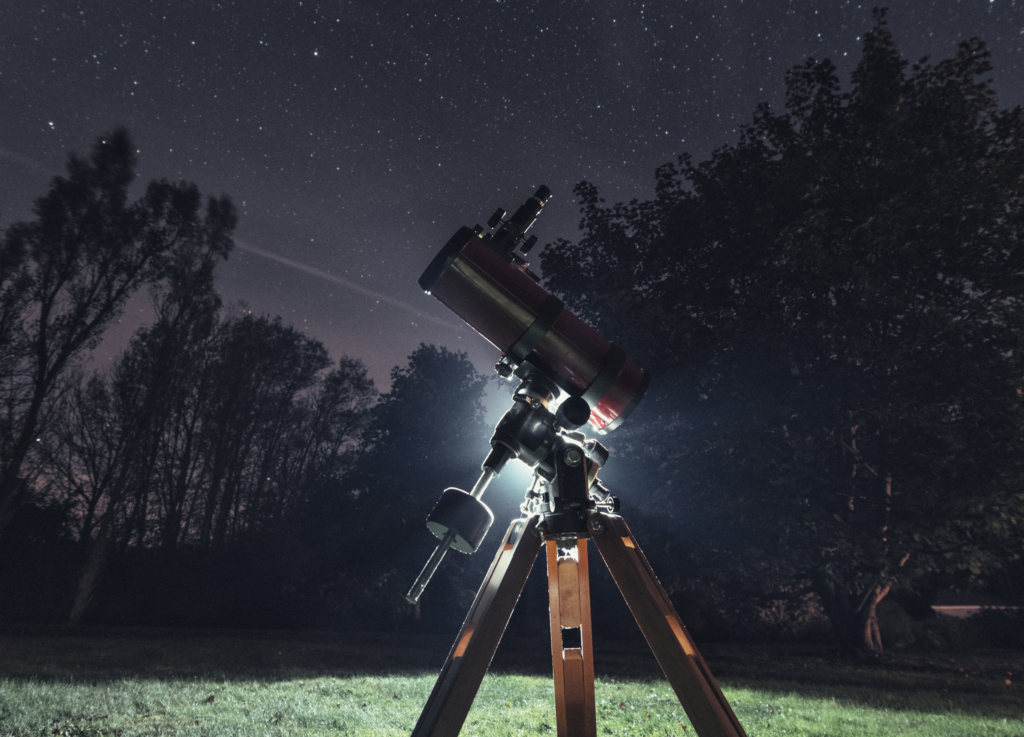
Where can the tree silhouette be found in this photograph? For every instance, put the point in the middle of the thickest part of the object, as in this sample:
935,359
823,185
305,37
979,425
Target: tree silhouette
426,433
68,274
832,308
151,376
221,456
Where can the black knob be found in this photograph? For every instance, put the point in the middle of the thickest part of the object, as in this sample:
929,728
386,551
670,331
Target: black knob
496,218
573,413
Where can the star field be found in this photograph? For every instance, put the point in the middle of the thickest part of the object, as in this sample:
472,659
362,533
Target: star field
356,136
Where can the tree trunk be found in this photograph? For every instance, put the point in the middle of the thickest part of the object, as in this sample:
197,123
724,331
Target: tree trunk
220,528
91,571
210,508
105,533
171,528
14,490
855,627
871,634
13,495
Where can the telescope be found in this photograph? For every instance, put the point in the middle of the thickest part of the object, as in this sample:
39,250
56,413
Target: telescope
481,278
570,376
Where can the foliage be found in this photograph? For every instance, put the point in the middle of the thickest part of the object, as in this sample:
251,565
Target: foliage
213,469
832,309
226,451
426,433
68,274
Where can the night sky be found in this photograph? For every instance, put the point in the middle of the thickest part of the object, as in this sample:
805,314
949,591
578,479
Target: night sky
356,136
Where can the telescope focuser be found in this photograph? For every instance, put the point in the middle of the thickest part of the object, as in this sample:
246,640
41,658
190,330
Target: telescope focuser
511,233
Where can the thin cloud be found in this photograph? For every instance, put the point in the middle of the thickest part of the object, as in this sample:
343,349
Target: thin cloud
16,158
350,285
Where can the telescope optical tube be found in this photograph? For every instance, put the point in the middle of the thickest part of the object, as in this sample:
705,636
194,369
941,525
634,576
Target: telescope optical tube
503,302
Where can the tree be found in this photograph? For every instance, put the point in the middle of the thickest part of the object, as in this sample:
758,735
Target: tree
833,304
81,455
259,374
426,433
68,274
319,444
152,374
217,446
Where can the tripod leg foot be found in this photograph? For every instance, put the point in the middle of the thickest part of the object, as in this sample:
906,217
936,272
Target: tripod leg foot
456,686
696,688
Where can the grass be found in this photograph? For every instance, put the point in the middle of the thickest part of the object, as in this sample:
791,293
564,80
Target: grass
140,684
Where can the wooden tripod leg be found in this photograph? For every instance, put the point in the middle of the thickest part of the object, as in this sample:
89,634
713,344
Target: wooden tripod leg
572,651
456,687
696,688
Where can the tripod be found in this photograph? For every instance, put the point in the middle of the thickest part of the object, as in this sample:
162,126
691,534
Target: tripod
564,507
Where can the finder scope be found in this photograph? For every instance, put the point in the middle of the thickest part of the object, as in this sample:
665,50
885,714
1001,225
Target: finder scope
480,278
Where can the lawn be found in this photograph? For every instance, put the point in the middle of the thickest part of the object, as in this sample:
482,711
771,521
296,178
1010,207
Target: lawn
145,683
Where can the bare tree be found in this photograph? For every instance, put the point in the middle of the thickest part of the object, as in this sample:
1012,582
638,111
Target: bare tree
66,276
150,375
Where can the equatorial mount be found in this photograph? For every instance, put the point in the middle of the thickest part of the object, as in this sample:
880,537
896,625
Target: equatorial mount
565,464
564,507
